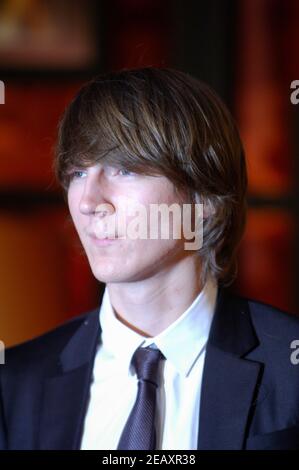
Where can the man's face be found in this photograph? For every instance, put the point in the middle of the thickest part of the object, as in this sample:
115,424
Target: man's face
101,195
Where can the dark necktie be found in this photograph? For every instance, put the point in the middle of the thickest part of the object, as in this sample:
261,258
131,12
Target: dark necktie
139,432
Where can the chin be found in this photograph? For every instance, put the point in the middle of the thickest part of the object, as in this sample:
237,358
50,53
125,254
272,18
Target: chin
107,274
117,274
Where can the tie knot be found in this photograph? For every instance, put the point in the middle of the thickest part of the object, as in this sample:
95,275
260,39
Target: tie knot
146,361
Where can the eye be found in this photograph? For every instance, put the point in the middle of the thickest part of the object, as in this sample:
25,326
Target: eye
125,172
76,174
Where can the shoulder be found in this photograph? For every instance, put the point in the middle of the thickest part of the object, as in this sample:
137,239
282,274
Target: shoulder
272,321
264,317
277,333
44,347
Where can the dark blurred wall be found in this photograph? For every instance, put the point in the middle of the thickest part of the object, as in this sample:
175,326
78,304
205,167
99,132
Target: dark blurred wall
245,49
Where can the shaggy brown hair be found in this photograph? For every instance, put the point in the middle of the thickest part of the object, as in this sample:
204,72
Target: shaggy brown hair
163,121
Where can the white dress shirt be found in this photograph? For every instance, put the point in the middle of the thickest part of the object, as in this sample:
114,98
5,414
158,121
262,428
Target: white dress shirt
114,386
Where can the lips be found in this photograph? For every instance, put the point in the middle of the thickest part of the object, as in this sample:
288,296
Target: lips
102,240
99,242
100,236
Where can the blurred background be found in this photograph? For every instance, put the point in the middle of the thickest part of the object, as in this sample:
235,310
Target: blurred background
248,50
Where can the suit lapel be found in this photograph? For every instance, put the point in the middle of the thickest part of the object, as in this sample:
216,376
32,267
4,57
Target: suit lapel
66,389
229,380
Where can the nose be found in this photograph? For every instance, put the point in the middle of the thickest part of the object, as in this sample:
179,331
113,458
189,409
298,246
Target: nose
95,197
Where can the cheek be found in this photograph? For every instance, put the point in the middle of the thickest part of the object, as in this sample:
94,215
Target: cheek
71,201
73,205
162,194
156,251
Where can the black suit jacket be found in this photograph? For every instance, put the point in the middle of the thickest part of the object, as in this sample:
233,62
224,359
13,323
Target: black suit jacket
250,388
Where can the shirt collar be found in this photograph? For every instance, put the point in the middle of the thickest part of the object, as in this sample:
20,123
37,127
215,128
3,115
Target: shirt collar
182,342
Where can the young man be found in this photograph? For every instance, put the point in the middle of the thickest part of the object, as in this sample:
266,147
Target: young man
171,359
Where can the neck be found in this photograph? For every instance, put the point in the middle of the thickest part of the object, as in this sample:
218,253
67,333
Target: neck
150,305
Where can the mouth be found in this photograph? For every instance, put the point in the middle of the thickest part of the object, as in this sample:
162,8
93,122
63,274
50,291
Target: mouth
103,241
